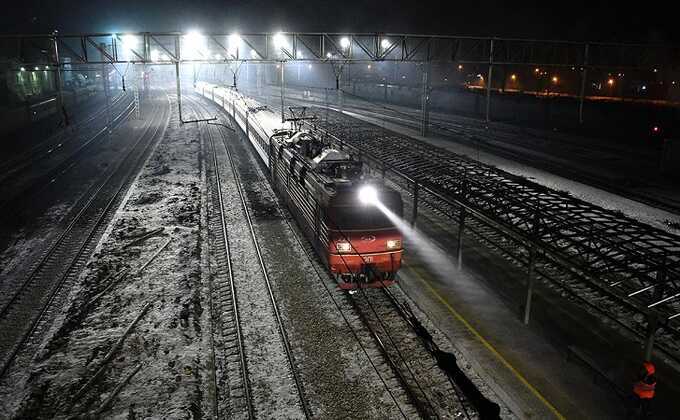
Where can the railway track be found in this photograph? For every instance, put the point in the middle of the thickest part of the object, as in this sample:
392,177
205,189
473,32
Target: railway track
400,359
596,299
429,390
230,380
259,371
28,309
19,188
58,142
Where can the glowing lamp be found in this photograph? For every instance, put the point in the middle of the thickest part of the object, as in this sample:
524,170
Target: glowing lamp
368,194
280,41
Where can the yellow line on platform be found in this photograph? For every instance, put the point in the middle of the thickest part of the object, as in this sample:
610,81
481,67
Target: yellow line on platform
486,344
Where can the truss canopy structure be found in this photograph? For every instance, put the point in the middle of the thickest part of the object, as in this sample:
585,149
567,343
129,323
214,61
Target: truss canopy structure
635,264
170,48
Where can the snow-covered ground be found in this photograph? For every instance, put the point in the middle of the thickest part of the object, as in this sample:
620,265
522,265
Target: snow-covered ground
160,360
133,338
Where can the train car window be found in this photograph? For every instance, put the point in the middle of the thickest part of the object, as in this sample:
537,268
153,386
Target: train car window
303,172
292,167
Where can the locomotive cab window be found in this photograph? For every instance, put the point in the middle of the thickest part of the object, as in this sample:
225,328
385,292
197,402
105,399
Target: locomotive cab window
355,216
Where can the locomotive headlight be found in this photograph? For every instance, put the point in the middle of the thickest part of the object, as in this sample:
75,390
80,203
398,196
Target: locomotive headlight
368,194
343,246
393,243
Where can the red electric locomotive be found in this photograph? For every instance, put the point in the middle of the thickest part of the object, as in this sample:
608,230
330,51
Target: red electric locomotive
334,203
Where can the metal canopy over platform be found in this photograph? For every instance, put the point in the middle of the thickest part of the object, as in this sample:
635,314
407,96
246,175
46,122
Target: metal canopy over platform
634,264
169,48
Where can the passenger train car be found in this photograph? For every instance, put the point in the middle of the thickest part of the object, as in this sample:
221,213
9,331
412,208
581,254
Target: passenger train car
328,191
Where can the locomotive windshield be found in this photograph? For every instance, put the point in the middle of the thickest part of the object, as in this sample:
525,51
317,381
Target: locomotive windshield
362,217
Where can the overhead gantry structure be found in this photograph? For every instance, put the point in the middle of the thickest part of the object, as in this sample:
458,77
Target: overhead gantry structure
59,50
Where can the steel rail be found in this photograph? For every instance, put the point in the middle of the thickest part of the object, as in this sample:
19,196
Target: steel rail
381,343
100,219
62,167
507,232
312,260
232,288
263,267
47,146
503,225
92,194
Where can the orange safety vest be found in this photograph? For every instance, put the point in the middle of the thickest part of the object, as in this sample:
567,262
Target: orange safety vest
646,387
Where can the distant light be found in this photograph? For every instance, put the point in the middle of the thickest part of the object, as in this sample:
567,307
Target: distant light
537,70
403,77
620,74
130,41
194,44
368,195
656,129
329,55
369,67
280,41
48,67
234,43
555,79
460,67
610,82
23,69
656,70
644,87
309,66
278,66
673,82
37,68
513,77
344,42
385,43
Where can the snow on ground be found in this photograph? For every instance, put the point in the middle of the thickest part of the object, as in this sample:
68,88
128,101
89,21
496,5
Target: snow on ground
339,381
167,343
272,386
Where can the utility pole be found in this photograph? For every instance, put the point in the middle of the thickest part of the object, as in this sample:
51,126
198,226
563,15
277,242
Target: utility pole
584,80
488,83
179,88
57,73
105,81
425,98
283,87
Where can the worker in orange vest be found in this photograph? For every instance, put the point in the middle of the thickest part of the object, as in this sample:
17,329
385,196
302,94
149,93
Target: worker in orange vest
644,389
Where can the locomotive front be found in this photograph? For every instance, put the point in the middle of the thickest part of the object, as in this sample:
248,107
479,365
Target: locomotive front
365,247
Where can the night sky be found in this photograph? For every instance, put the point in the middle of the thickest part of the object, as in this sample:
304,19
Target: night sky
601,21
